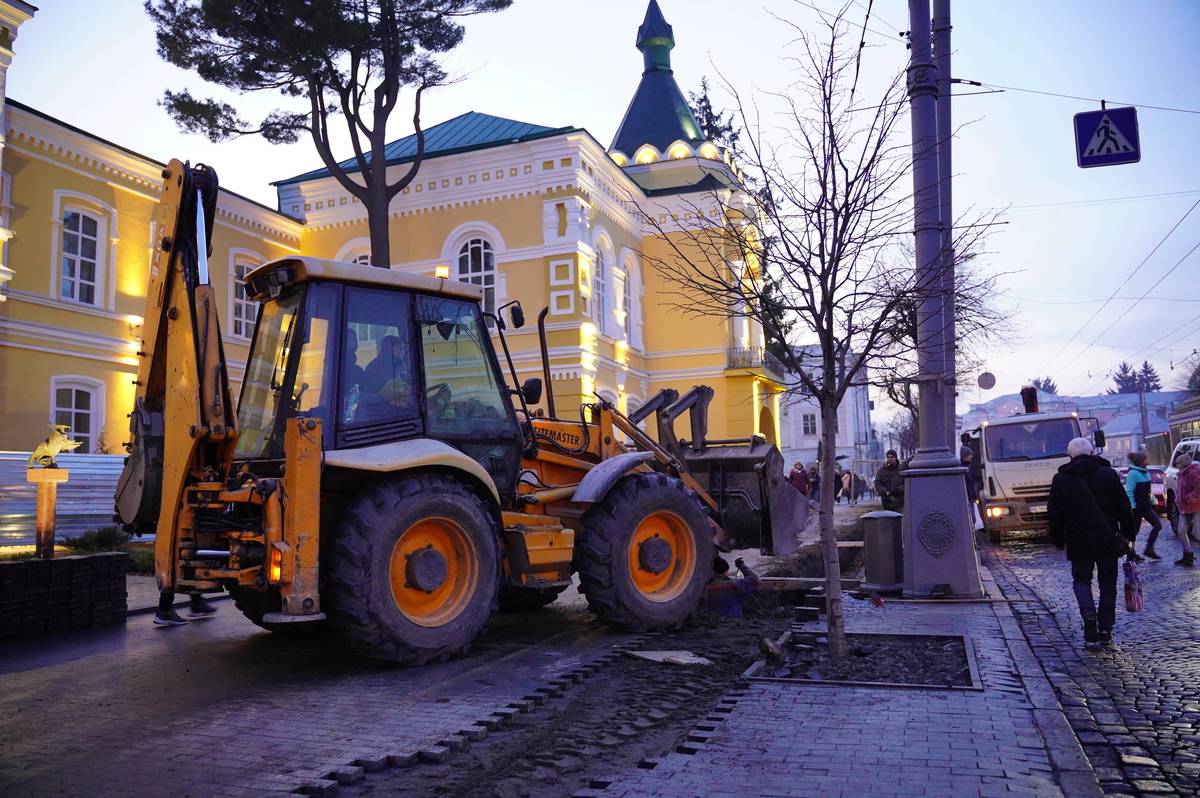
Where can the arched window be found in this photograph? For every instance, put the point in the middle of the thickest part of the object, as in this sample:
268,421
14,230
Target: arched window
600,287
78,403
362,260
627,305
477,266
79,277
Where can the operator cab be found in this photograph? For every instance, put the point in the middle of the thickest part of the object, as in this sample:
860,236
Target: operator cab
378,356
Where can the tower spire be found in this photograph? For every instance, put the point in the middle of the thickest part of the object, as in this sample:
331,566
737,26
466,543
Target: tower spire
655,39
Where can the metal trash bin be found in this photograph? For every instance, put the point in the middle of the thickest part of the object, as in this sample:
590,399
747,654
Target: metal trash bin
883,545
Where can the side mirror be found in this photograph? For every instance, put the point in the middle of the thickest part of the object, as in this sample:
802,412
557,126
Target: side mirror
518,319
532,390
1098,437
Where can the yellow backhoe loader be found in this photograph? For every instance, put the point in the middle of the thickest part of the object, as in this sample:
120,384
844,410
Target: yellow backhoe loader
376,477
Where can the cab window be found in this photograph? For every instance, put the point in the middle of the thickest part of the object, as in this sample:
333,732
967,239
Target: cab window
378,380
463,397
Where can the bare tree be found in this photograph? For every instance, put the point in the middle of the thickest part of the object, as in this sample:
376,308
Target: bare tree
980,318
817,244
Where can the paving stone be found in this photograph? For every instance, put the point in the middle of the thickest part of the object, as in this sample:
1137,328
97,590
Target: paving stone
1133,693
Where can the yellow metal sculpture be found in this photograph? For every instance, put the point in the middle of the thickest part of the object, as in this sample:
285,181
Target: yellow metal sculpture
58,442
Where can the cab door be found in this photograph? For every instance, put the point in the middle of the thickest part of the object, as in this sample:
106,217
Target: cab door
465,401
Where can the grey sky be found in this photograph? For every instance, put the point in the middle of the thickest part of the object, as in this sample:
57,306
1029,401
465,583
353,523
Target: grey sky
572,62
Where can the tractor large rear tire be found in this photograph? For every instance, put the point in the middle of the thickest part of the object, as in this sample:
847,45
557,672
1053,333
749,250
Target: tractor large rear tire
414,569
255,604
646,553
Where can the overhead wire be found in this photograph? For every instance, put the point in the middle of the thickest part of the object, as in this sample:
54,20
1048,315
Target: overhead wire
1105,200
1125,313
1106,373
1116,290
1087,99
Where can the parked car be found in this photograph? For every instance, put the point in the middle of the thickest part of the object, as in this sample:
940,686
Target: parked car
1158,485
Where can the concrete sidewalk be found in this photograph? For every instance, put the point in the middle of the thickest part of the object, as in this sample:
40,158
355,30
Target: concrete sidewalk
1010,738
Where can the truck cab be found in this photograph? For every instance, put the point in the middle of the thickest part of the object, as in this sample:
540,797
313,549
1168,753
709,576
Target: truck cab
1018,459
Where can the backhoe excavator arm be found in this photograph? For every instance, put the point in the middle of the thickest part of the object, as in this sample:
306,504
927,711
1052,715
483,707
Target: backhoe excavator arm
183,425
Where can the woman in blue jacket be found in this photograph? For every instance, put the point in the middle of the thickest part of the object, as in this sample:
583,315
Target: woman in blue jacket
1137,485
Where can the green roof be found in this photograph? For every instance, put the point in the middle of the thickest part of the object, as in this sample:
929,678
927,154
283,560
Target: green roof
470,131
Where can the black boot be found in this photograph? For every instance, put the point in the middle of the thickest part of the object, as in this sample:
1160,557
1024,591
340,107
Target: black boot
1150,552
1090,633
1133,556
1188,560
1105,636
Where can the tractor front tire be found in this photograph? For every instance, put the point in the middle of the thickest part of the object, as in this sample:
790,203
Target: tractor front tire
646,553
255,604
414,569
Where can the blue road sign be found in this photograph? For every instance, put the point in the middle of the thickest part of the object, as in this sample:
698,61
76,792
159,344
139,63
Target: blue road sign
1107,137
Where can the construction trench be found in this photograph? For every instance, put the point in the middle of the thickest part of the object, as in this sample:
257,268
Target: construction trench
625,714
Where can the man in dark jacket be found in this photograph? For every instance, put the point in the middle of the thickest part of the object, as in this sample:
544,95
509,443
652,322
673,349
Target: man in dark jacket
889,484
1091,517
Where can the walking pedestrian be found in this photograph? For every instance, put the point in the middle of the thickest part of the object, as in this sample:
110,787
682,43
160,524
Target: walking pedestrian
799,478
889,484
1188,502
165,615
1137,485
814,482
1090,516
847,484
974,482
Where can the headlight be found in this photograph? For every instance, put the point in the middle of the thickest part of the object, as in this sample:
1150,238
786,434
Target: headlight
998,512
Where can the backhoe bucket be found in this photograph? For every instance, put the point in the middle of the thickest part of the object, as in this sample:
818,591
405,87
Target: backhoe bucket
759,507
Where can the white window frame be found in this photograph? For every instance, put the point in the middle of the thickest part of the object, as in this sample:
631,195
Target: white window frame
464,233
486,248
354,249
95,388
635,291
806,429
250,259
65,202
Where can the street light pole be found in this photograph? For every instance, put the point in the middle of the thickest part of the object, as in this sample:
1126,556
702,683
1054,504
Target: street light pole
945,134
939,541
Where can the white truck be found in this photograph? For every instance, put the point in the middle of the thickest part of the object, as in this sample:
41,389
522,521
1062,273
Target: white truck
1018,458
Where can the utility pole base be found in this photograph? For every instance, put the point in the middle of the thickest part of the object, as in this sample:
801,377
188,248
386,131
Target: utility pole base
939,539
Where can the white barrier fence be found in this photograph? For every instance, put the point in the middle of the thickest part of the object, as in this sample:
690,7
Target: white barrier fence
85,501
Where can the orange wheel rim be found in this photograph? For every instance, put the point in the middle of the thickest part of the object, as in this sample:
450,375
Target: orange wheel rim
662,556
434,571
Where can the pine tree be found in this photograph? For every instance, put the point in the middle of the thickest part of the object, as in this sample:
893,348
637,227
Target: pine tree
714,126
1148,378
1126,378
329,60
1044,385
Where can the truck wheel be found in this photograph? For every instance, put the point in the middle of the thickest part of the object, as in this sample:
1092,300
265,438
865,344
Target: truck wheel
521,599
414,569
254,604
646,554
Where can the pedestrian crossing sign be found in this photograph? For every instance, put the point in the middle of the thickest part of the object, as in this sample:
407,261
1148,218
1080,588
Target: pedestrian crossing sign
1107,137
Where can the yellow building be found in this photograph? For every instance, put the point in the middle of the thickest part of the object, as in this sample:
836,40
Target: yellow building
545,215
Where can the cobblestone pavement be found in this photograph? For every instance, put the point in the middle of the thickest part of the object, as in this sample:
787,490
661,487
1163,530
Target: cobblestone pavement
1009,738
220,708
1135,705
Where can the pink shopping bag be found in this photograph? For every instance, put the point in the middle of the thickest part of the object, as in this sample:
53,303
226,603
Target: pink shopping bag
1135,599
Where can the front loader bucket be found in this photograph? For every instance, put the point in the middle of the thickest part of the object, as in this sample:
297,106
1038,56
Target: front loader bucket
759,507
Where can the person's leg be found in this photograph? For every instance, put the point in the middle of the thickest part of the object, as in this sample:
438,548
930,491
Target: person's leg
1183,532
166,615
1151,515
1106,573
198,604
1081,583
